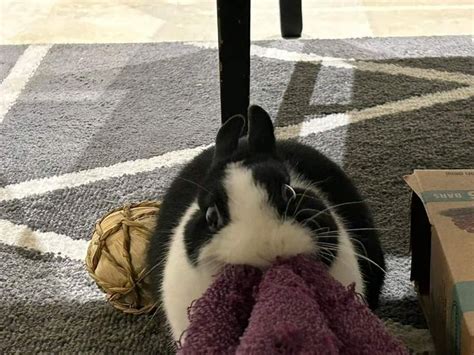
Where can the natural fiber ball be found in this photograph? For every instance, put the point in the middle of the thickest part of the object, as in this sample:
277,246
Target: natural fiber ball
116,256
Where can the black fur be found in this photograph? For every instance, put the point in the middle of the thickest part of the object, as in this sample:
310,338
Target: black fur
261,137
269,161
338,188
227,138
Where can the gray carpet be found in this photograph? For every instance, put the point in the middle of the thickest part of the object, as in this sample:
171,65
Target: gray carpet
94,126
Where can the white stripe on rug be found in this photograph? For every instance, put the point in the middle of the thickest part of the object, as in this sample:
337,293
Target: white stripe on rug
291,56
322,124
312,126
45,242
421,73
19,75
284,55
58,182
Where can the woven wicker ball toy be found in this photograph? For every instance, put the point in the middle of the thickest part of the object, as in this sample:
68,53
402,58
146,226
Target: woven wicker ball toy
116,256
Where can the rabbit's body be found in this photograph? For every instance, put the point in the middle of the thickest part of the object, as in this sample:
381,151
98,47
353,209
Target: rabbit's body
250,201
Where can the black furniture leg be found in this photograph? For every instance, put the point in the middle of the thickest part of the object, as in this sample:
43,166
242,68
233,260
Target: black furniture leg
291,18
233,20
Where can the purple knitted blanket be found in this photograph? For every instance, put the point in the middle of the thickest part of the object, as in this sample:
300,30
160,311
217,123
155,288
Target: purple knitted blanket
295,307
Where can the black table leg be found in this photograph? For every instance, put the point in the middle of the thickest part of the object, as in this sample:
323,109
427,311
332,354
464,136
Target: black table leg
233,20
291,18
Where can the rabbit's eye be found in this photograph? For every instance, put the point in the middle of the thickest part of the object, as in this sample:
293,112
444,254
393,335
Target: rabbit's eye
287,192
213,218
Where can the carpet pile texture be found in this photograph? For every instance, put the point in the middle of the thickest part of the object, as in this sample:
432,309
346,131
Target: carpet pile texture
86,128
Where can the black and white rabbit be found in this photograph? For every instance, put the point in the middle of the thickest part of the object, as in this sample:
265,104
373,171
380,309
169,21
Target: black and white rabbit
250,200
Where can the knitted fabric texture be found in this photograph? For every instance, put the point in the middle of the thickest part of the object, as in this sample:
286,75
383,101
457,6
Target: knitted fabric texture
294,307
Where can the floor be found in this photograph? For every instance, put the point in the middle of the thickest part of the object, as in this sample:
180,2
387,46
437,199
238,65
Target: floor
112,21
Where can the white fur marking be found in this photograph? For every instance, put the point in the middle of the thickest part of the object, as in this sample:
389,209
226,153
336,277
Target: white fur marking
182,283
267,236
345,267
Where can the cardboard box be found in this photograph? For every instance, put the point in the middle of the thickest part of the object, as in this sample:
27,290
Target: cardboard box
442,244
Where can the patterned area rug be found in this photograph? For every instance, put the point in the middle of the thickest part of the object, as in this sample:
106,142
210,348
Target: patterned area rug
86,128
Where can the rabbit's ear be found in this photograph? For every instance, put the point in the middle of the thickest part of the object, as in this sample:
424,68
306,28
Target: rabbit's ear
228,136
261,134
